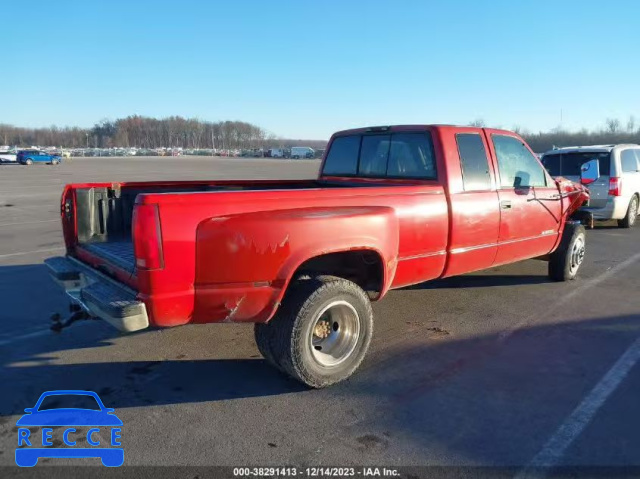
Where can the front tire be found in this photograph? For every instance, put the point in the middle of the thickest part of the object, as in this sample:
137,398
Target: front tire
321,332
28,162
632,214
565,261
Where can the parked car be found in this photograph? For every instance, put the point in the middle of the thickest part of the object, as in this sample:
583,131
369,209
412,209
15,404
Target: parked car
8,156
392,207
616,194
29,157
301,152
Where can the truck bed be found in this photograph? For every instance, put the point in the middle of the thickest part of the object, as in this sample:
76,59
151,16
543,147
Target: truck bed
118,253
103,212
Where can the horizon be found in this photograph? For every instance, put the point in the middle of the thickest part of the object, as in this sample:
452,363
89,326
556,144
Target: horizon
298,72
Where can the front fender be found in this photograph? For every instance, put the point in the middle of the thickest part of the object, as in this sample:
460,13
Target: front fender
244,262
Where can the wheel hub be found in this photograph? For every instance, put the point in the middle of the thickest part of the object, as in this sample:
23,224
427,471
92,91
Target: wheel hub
322,329
335,334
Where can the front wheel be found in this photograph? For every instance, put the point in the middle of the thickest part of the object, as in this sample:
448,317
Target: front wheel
565,262
29,161
632,214
321,332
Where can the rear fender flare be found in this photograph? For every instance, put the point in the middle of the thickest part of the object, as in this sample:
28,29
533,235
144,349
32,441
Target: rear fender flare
269,246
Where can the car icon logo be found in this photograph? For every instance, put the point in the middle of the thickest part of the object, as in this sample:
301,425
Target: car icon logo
91,430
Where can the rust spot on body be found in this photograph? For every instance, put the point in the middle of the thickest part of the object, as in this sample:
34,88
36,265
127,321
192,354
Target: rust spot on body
233,309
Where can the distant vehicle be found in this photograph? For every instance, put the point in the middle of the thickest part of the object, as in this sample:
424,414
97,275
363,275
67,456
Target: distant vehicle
276,153
616,194
29,157
302,152
8,156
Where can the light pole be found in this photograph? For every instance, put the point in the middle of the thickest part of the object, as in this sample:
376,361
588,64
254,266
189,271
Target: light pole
87,140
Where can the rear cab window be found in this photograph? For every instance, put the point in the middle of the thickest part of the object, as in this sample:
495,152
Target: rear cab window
390,155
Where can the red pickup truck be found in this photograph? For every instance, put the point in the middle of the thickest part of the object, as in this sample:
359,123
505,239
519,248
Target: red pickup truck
393,206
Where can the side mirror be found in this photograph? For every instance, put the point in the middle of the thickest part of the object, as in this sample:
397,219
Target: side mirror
28,410
589,172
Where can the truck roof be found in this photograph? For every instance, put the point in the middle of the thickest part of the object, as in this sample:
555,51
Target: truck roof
383,128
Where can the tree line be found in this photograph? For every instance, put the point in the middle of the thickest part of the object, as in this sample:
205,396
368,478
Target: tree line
142,132
175,131
612,132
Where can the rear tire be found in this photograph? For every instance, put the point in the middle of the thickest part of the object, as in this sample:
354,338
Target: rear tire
565,261
54,162
632,214
321,332
262,333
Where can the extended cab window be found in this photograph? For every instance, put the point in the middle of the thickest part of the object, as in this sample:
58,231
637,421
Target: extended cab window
396,155
474,162
518,167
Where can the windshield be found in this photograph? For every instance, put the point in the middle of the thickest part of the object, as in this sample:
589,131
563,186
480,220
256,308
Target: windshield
568,164
64,401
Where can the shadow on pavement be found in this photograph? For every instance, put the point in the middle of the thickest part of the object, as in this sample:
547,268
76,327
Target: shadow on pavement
481,281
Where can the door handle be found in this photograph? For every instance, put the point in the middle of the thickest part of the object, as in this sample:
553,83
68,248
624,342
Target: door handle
505,205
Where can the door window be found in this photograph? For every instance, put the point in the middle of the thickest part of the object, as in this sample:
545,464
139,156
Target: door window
474,162
518,167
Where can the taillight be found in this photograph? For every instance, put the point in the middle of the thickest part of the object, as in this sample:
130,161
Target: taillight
147,238
615,186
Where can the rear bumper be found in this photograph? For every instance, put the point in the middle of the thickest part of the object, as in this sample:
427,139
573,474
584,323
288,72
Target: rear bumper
99,295
615,209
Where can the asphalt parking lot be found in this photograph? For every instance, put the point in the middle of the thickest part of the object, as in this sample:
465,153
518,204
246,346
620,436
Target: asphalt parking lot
497,368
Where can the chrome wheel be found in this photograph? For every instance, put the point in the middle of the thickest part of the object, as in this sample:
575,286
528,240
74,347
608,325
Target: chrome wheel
577,254
335,333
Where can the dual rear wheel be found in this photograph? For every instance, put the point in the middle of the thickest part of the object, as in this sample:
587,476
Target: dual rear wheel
321,332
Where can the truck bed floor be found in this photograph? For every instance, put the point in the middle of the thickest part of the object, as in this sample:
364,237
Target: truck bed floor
119,253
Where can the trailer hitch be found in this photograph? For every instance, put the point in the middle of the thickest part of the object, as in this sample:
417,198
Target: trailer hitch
77,314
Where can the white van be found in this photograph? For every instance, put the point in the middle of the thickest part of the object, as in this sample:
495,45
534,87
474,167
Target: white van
302,152
276,152
616,194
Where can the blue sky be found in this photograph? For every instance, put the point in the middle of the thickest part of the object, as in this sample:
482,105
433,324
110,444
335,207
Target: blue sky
304,68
